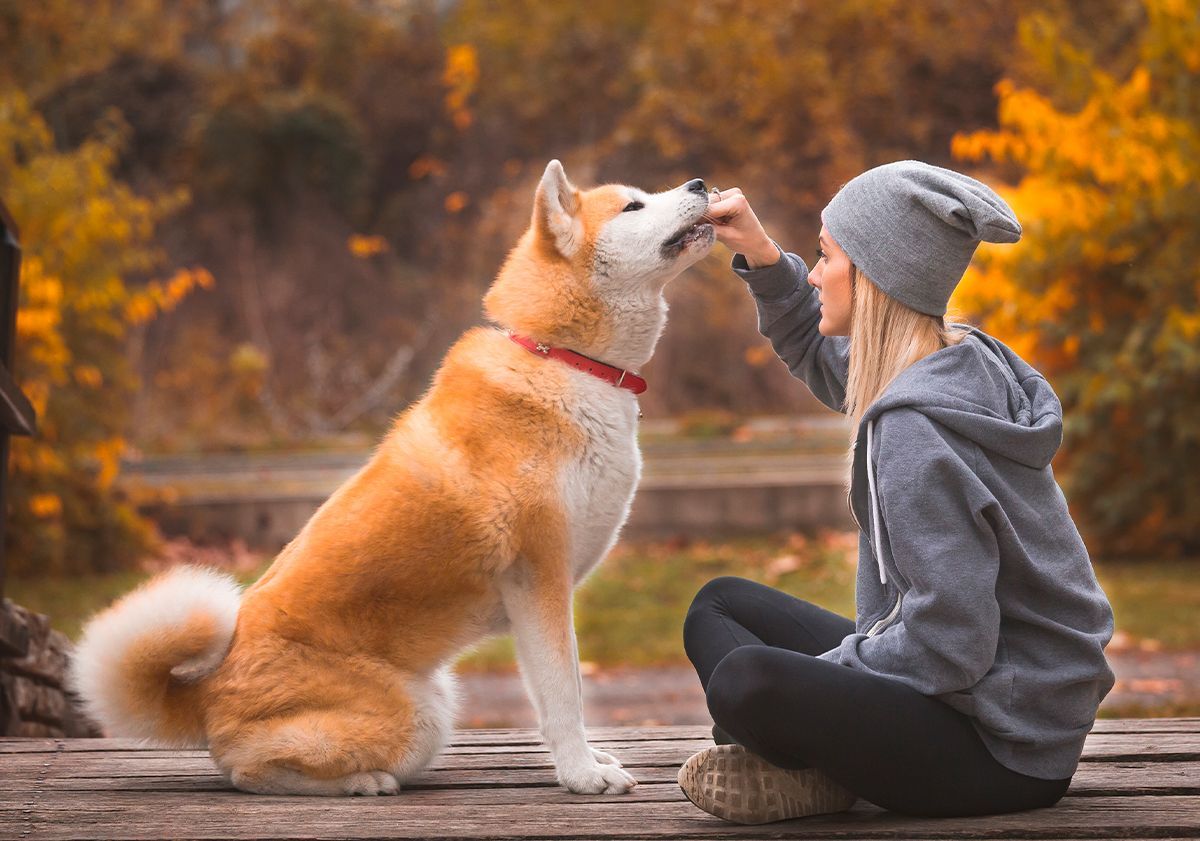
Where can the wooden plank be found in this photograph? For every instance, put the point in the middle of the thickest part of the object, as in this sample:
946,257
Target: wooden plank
1102,747
463,751
1162,747
233,816
1097,744
1140,779
1093,779
1147,725
138,762
460,738
52,799
596,734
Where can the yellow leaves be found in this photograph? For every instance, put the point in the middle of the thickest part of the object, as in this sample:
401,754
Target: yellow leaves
1188,324
88,376
1093,176
139,309
987,292
1179,327
460,76
38,288
39,315
1181,9
1059,297
108,454
159,296
1071,347
1177,23
247,368
456,201
84,236
45,505
37,322
362,246
758,355
1117,140
426,165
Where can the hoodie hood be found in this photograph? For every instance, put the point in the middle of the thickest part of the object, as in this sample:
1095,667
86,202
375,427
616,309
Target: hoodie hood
983,391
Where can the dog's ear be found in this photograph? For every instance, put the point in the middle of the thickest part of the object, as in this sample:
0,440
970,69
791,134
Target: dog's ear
556,211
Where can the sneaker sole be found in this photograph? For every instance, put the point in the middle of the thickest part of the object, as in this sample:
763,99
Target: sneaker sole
737,786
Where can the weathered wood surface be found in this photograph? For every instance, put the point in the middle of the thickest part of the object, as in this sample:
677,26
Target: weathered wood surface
1138,779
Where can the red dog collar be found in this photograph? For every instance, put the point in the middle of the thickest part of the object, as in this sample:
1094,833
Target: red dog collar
616,376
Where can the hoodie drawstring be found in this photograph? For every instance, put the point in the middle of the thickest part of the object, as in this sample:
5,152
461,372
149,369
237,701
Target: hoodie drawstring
874,506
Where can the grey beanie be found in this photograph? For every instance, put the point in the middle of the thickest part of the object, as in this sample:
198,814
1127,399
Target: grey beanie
913,228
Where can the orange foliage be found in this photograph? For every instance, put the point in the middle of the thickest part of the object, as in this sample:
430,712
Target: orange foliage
1101,293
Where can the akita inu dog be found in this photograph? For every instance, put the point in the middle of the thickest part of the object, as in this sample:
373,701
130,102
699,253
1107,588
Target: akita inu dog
487,501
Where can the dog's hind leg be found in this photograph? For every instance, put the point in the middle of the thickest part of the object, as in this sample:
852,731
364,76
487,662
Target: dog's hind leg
435,701
274,779
319,753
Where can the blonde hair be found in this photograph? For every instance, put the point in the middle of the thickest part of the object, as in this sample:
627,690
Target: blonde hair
886,337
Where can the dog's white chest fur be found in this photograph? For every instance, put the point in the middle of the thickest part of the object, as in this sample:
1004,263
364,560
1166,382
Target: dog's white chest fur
598,486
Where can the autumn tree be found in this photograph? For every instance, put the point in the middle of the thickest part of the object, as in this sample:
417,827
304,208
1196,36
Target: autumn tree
320,138
88,249
1102,294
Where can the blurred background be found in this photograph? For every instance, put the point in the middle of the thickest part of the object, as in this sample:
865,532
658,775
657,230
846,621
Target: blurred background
250,230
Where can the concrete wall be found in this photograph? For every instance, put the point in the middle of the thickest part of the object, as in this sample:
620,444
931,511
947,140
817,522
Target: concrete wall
711,511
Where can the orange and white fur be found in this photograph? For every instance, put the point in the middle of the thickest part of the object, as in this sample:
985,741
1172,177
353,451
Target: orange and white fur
478,513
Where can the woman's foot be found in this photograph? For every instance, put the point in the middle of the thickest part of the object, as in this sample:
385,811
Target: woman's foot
736,785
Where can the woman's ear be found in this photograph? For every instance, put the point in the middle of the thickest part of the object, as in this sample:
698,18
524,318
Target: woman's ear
556,211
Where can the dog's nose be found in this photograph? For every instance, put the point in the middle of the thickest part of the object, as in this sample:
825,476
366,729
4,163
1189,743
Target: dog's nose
696,185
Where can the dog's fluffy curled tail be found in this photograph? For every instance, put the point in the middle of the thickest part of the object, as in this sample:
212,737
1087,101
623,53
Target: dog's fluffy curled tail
140,664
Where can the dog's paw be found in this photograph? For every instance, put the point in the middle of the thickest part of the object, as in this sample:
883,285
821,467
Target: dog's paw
369,783
597,779
605,758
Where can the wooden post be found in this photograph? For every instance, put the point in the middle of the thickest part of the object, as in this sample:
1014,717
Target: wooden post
16,414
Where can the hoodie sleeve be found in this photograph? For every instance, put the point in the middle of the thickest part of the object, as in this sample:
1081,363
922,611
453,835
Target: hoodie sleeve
788,315
944,548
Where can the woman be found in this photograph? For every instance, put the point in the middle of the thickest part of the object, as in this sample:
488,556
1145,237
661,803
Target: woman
976,663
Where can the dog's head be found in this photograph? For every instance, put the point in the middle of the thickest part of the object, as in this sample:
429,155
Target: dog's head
589,272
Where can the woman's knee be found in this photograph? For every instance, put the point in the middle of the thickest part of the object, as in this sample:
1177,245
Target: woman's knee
741,688
717,591
710,600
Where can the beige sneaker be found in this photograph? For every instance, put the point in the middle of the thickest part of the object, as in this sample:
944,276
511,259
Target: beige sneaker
736,785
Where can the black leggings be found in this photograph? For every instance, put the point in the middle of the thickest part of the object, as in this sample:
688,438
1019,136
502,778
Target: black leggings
753,648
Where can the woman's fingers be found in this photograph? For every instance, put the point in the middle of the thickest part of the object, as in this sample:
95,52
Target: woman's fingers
727,210
735,222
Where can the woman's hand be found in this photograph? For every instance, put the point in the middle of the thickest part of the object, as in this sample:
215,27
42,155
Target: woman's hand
737,227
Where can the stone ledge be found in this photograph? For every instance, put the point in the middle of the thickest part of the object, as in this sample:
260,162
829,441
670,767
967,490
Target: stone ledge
14,630
33,670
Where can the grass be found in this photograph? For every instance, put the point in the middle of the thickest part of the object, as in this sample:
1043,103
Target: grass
1188,708
1155,602
631,610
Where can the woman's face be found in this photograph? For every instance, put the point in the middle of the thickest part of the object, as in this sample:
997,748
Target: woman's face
831,278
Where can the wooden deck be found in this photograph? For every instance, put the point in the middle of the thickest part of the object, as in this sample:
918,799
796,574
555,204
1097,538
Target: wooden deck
1138,779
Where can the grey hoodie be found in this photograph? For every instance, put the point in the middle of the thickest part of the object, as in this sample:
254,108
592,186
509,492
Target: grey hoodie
973,585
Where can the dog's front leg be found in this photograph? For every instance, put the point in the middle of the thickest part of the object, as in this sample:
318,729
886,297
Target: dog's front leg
539,610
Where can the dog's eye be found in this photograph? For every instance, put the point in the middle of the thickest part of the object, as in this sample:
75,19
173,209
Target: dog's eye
633,205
